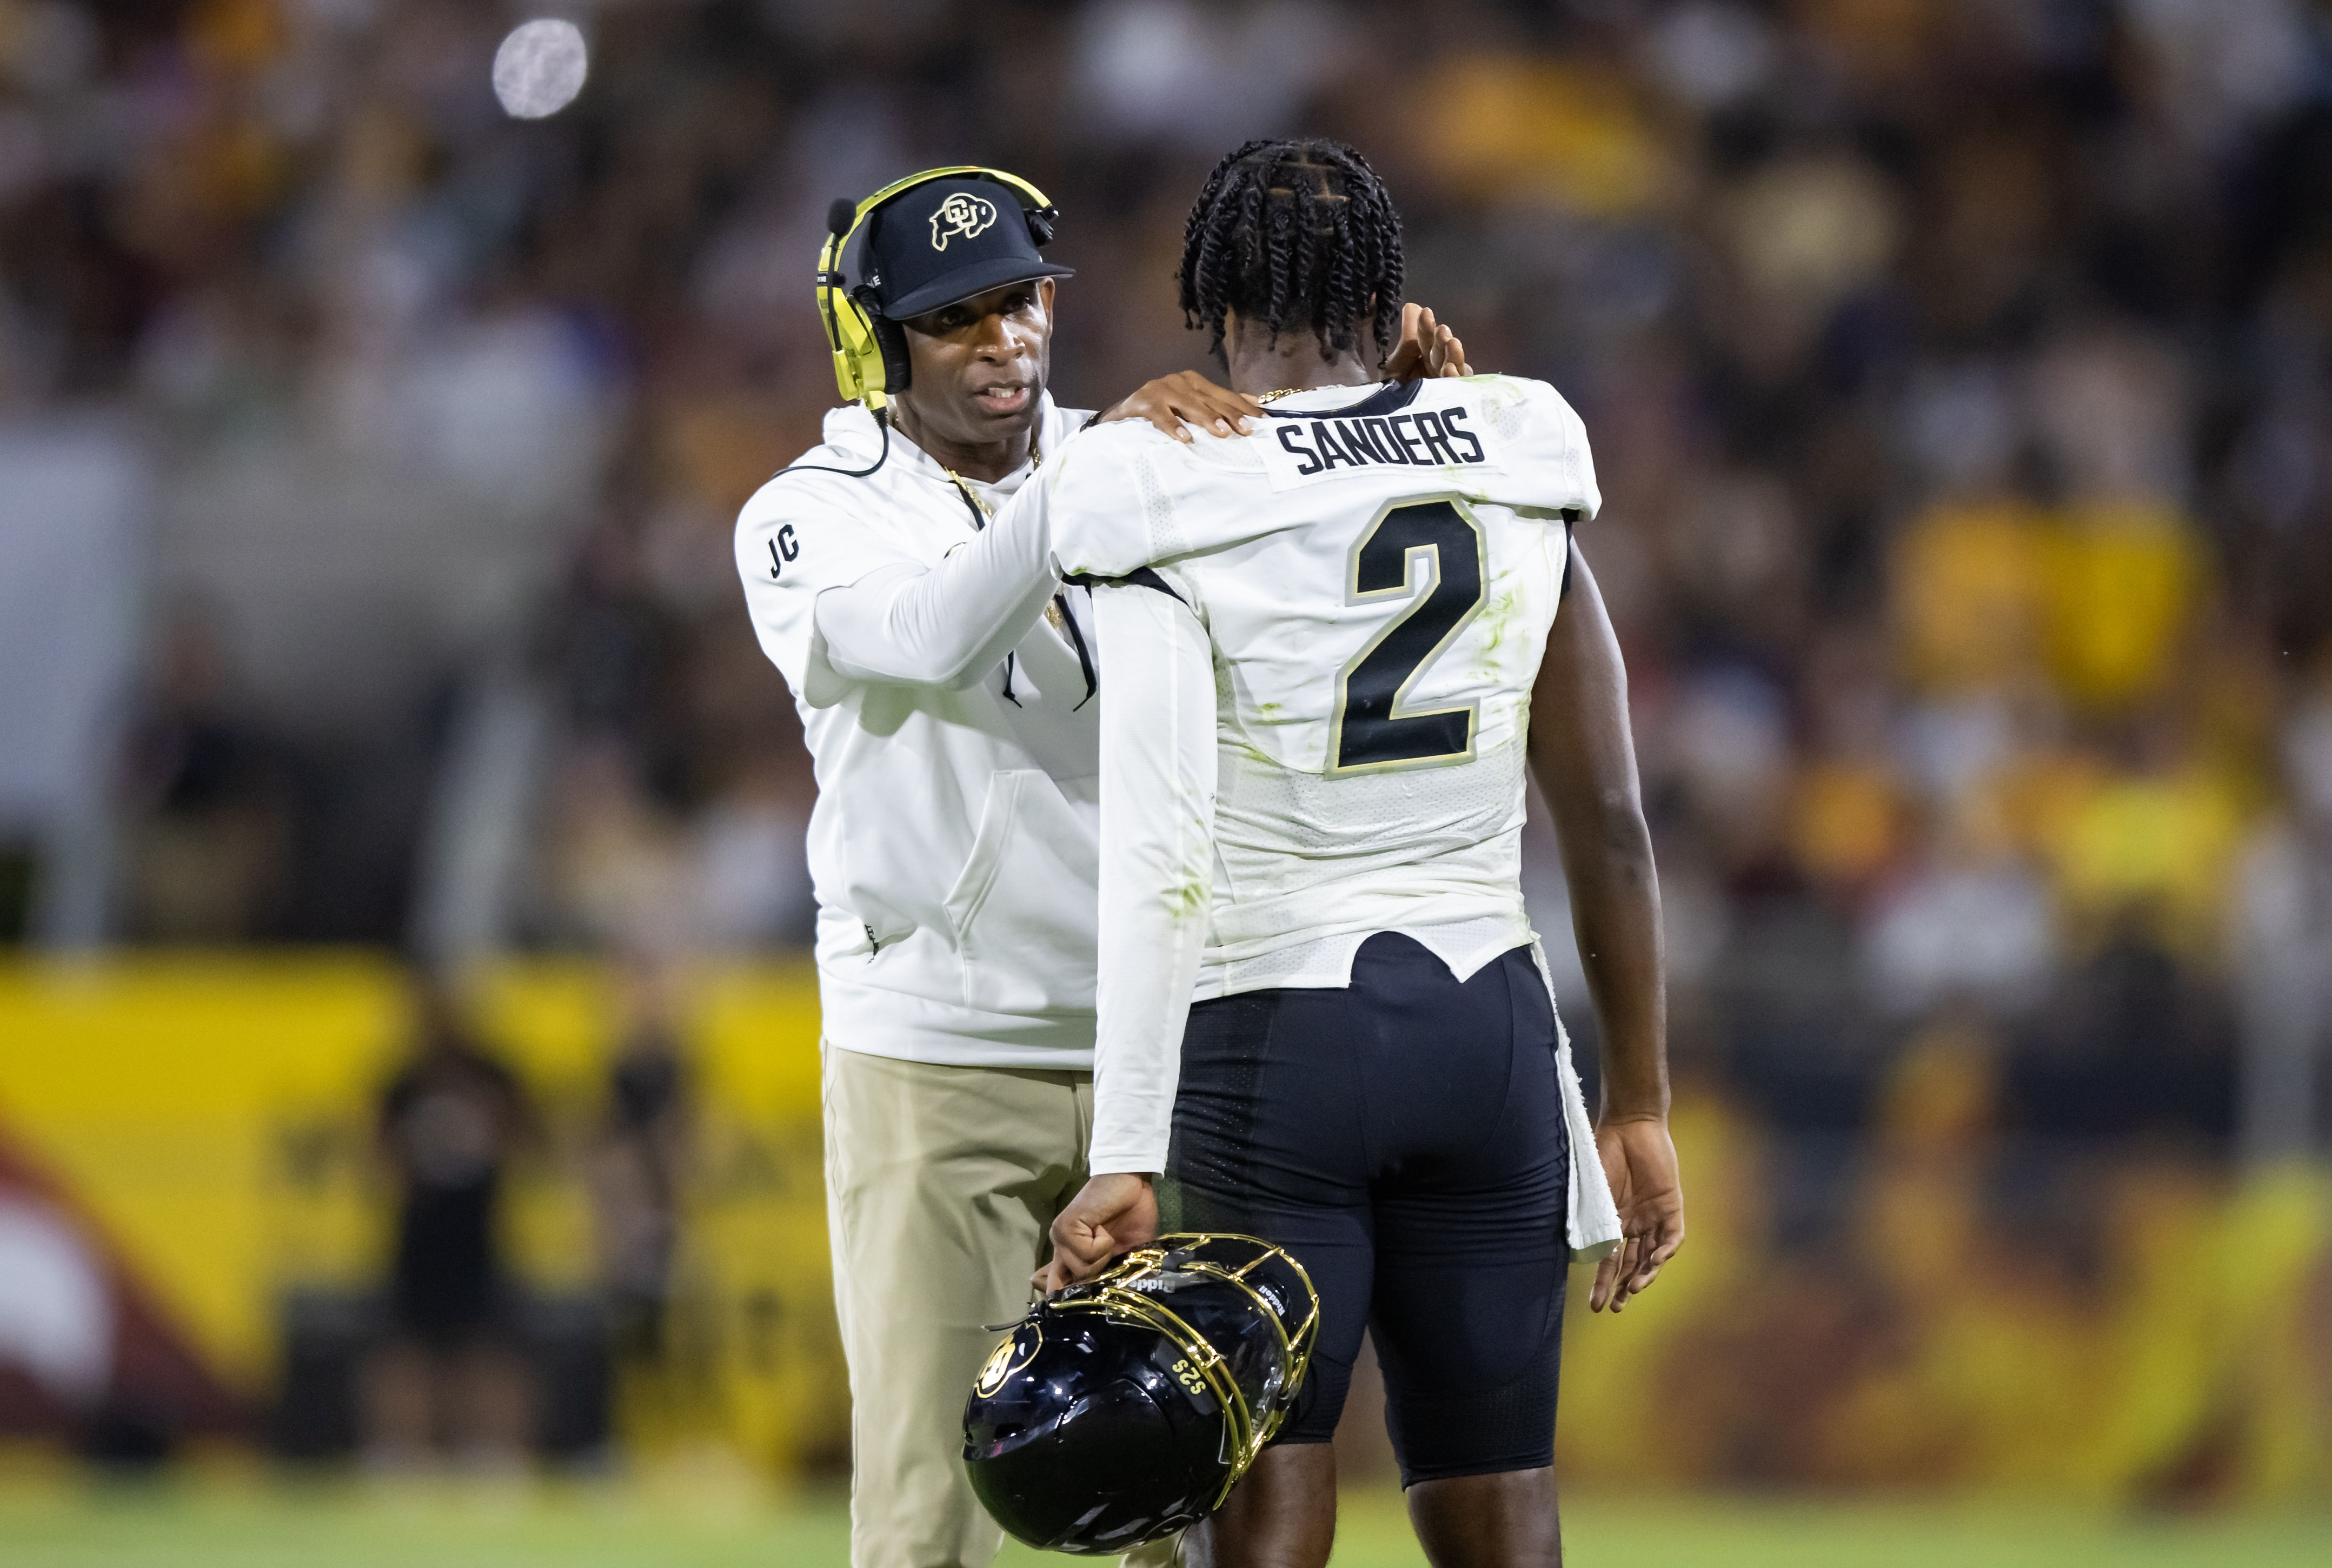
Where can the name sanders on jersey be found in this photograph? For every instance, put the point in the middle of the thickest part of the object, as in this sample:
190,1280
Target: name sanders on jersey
1424,439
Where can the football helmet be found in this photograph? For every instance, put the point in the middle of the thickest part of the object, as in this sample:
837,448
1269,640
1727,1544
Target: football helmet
1125,1408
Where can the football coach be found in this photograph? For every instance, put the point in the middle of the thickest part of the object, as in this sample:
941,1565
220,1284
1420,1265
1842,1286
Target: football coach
953,842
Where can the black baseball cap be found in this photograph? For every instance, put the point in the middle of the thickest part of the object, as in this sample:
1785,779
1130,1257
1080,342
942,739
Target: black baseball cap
946,241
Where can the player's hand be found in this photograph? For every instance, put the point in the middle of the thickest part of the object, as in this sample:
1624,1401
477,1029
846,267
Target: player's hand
1186,400
1110,1215
1428,350
1640,1160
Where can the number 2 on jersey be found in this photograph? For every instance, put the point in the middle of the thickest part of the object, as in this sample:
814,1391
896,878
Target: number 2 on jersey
1372,732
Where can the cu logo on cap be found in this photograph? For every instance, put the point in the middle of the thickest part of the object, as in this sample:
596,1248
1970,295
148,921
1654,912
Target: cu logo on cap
960,214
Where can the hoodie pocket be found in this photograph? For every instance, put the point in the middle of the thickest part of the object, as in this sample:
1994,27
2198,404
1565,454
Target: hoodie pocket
1023,907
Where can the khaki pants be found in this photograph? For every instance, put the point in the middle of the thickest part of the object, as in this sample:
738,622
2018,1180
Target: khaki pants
942,1185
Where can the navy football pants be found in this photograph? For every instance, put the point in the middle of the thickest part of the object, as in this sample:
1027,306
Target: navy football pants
1404,1139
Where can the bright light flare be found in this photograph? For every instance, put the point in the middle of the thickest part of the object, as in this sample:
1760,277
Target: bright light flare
540,67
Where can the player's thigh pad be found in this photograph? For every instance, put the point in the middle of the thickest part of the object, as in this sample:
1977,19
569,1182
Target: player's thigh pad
1267,1142
1404,1138
1470,1207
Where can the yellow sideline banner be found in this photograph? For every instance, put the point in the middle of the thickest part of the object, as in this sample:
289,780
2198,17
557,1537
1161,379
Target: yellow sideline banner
213,1113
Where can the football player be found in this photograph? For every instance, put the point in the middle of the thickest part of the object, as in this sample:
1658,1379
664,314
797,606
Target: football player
1336,646
948,695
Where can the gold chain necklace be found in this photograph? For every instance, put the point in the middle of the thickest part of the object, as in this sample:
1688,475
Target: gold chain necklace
1282,392
980,504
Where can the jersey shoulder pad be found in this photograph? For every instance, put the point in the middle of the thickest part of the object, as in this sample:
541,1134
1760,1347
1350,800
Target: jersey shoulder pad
1525,400
1096,494
1536,419
1118,441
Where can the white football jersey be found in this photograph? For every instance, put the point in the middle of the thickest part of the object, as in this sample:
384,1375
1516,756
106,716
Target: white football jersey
1376,570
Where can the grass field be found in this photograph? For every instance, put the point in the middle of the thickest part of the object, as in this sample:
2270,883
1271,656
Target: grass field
66,1524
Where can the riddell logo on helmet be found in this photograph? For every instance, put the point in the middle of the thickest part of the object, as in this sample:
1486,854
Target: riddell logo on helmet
960,214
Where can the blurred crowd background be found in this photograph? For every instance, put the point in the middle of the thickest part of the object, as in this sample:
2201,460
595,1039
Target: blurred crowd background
1957,372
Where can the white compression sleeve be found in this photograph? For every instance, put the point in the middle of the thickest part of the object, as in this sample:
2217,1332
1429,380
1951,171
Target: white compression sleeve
945,625
1157,864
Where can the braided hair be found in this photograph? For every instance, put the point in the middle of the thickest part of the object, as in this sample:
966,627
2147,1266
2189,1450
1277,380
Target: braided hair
1295,235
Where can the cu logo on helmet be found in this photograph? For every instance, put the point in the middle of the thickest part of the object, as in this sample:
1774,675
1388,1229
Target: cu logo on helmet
960,214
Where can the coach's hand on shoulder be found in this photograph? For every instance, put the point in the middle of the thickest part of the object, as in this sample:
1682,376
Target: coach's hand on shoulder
1428,350
1640,1159
1110,1215
1176,402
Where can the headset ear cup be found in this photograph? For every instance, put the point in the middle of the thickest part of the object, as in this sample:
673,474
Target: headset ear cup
1041,225
892,338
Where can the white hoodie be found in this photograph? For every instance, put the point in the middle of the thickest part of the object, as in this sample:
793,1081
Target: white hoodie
952,845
